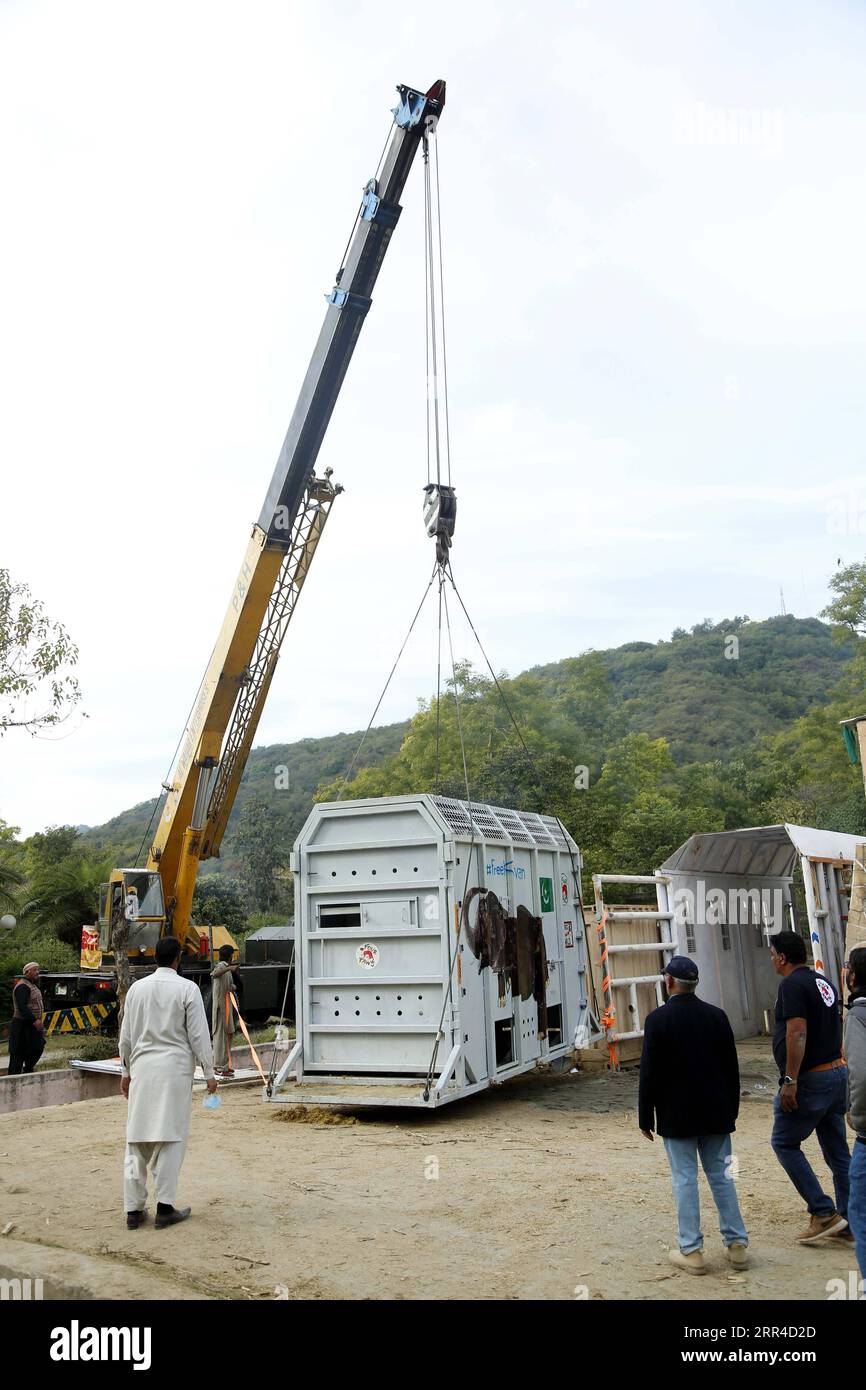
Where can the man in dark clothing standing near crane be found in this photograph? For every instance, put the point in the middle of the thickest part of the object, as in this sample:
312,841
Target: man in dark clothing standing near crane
26,1042
690,1093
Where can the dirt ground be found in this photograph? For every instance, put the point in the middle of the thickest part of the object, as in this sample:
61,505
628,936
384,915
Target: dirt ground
543,1188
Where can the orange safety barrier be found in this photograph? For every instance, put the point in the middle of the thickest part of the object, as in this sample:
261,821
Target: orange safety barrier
243,1028
608,1018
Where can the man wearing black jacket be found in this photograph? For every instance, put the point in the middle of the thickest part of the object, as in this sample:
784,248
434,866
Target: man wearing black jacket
690,1088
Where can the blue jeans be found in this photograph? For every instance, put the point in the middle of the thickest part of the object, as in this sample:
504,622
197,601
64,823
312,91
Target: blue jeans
857,1203
822,1099
715,1151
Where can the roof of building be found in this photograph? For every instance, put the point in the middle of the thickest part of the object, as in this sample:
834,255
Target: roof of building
283,931
762,851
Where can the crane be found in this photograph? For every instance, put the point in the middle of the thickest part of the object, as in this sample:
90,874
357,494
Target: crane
141,904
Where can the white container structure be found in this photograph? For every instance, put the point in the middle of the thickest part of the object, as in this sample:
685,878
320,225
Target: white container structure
391,1007
737,885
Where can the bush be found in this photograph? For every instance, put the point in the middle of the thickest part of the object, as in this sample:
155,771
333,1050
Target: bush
22,944
95,1049
62,895
218,901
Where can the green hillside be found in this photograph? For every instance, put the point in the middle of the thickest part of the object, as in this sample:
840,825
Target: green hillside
715,712
310,761
709,705
636,748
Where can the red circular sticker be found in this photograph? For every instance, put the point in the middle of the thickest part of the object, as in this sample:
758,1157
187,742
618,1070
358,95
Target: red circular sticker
826,993
367,955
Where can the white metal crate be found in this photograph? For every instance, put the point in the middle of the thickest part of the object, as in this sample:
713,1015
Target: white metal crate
381,963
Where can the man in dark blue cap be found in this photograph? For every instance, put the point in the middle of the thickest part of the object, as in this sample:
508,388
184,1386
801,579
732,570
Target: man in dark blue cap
690,1094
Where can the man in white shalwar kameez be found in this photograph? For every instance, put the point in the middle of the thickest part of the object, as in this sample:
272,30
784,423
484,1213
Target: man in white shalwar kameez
164,1033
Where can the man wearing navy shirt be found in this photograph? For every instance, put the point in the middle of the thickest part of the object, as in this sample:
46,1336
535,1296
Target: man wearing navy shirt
690,1093
813,1085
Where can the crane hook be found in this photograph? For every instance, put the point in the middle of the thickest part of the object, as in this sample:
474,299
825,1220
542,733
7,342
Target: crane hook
440,517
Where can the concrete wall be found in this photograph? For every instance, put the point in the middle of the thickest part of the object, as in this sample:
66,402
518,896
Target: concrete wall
66,1085
735,968
61,1087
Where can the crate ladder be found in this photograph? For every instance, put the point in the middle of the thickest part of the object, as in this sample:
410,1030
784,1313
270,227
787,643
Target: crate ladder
607,919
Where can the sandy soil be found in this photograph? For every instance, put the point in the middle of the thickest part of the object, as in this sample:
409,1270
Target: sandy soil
544,1187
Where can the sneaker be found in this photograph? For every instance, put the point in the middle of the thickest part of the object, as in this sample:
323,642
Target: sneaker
738,1254
170,1218
829,1225
693,1262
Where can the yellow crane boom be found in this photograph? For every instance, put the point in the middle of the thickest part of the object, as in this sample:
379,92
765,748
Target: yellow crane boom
220,730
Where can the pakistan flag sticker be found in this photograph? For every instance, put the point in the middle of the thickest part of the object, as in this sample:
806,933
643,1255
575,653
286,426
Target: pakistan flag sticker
546,886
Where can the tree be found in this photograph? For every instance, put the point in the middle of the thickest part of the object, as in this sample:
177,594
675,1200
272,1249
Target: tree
51,845
65,895
544,783
10,881
258,839
11,877
34,654
218,901
847,610
431,754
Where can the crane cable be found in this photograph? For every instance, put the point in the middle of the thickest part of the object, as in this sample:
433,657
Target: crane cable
448,995
589,983
433,271
442,571
374,180
442,316
533,767
430,317
350,769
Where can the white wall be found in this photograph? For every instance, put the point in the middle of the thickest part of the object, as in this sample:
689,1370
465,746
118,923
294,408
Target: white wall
734,959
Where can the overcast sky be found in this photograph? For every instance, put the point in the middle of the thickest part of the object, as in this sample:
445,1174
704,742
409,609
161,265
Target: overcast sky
654,220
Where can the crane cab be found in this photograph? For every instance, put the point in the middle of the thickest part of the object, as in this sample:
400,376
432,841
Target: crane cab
134,896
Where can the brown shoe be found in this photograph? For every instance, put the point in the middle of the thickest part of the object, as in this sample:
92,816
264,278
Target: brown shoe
845,1236
693,1263
819,1226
